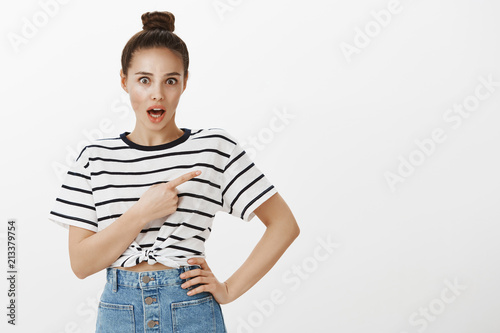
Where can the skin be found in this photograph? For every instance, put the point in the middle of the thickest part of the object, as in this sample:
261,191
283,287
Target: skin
164,85
91,252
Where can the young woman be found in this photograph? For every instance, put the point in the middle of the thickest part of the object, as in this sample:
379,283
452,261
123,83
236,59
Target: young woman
141,204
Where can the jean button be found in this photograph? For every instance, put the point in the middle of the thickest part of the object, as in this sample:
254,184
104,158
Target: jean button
146,279
152,323
148,300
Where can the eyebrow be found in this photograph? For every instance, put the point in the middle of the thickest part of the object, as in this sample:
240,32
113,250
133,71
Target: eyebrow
151,74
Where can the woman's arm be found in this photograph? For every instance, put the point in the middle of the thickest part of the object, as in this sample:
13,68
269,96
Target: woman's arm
91,252
281,231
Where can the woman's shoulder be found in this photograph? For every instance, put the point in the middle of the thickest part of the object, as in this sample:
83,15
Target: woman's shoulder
213,132
96,145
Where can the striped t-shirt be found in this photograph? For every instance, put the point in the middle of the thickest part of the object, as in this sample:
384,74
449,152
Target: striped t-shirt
111,174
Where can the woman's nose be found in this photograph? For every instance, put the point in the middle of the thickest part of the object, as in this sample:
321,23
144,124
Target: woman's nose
157,93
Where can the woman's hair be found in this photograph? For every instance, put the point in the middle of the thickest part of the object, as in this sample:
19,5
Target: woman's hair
157,31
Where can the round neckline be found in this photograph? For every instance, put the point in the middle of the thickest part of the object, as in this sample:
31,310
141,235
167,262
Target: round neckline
179,140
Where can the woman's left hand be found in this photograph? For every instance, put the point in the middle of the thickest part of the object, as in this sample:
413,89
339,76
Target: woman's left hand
208,281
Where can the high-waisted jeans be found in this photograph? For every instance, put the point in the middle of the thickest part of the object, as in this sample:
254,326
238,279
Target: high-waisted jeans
154,301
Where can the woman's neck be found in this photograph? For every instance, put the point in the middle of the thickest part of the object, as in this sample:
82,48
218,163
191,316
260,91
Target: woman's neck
155,138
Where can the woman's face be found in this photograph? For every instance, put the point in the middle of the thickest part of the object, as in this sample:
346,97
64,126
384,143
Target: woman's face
155,83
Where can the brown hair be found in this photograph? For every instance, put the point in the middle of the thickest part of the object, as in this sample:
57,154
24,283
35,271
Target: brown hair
157,31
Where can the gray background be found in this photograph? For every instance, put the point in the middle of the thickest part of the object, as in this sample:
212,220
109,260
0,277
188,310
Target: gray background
417,256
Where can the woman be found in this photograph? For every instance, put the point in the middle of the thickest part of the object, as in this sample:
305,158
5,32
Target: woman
141,205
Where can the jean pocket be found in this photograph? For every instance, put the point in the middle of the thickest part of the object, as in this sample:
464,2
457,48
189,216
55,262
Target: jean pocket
194,316
115,318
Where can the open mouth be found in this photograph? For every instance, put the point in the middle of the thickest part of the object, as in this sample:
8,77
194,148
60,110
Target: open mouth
156,113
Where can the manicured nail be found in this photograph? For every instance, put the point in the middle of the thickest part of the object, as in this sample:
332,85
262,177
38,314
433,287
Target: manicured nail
189,293
182,276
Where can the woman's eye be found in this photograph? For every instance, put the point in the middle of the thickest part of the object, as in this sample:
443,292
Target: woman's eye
171,81
144,80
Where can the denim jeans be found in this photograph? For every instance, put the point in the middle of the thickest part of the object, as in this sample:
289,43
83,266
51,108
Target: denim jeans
153,301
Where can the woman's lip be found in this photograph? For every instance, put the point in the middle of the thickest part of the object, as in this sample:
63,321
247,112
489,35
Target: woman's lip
156,120
156,107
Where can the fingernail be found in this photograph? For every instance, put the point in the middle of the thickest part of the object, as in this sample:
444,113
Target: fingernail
182,276
198,172
189,292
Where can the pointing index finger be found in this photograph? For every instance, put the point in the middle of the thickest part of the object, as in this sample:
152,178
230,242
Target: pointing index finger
184,178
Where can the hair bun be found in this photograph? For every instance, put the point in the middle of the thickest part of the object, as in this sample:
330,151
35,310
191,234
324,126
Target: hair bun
158,20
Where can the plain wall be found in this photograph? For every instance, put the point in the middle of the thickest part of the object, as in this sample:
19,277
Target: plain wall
376,120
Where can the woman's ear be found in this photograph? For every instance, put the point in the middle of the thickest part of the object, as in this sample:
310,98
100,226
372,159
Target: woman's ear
123,81
185,82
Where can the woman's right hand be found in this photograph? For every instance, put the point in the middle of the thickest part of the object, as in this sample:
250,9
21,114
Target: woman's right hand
161,199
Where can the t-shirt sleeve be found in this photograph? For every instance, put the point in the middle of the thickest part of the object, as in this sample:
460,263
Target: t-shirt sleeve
244,187
74,204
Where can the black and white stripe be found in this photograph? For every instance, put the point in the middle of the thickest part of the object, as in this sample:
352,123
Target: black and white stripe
111,174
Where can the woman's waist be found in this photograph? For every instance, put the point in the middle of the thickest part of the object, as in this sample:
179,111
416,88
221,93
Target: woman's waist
145,267
147,278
